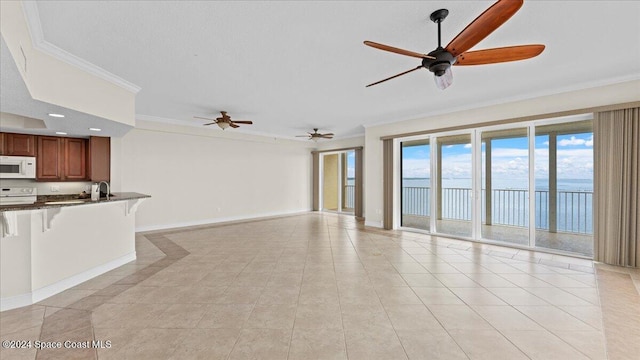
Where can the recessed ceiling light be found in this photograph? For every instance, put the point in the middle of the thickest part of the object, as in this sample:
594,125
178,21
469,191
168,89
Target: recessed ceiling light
56,115
61,133
95,129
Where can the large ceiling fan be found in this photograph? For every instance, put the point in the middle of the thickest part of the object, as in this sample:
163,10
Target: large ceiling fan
439,61
315,135
225,121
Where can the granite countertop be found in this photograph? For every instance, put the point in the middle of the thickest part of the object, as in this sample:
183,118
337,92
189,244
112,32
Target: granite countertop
44,201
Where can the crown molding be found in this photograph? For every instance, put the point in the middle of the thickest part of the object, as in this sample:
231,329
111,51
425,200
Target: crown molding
512,99
32,16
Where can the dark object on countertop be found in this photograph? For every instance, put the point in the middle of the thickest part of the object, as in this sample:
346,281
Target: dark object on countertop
104,194
84,195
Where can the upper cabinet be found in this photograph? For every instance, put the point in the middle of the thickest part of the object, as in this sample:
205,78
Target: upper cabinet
62,158
75,159
49,161
18,144
99,158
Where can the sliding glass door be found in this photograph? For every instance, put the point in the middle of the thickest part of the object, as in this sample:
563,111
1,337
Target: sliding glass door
496,183
338,181
454,185
415,199
505,185
564,187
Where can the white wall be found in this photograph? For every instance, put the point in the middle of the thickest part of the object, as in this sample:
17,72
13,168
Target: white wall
198,176
580,99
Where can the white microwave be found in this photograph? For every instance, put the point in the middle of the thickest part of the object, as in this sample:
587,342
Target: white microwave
17,167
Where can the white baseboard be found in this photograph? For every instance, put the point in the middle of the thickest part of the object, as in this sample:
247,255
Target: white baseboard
12,302
377,224
219,220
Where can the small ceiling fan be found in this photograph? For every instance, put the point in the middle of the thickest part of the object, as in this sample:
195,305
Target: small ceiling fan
439,61
315,135
225,121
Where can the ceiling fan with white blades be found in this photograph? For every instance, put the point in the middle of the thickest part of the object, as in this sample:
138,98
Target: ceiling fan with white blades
315,135
225,121
440,60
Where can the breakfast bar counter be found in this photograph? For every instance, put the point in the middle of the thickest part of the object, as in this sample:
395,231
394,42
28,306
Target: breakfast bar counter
55,201
61,241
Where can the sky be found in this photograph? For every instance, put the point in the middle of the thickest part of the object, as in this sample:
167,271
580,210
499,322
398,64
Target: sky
509,158
351,164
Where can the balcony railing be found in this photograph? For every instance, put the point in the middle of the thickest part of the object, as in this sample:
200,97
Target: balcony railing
509,207
350,196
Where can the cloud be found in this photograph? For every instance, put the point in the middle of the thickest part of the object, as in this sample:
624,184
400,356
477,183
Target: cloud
574,141
508,152
589,142
467,146
415,168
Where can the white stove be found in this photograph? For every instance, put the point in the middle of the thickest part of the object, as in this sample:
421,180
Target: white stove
18,196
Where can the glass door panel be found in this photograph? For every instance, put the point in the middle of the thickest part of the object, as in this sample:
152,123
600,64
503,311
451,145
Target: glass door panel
416,184
564,187
348,181
454,185
505,186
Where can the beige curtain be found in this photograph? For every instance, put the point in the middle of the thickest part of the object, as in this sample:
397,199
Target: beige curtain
387,184
359,175
316,180
616,200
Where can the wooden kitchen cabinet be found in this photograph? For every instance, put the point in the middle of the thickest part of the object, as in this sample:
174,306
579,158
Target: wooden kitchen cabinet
61,159
18,144
49,162
2,142
99,158
75,159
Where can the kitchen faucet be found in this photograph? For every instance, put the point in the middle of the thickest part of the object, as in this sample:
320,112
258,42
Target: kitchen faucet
100,187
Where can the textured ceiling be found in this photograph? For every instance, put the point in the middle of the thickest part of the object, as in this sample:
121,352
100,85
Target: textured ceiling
291,66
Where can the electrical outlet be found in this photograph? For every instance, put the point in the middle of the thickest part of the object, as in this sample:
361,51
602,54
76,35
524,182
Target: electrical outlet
219,209
55,188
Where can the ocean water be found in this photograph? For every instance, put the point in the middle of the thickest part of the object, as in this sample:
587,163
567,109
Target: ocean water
507,184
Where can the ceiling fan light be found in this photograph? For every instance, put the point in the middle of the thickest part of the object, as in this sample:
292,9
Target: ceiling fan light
223,125
445,80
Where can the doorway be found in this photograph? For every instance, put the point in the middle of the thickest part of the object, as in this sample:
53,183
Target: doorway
338,181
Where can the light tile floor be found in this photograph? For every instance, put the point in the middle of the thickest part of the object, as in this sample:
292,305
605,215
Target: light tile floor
321,286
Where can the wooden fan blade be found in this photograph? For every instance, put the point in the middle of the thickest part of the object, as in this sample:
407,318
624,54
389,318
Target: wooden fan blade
198,117
397,50
394,76
234,125
242,122
327,134
483,25
498,55
210,123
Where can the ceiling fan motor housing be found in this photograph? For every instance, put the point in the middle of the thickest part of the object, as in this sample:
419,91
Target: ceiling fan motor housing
443,60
